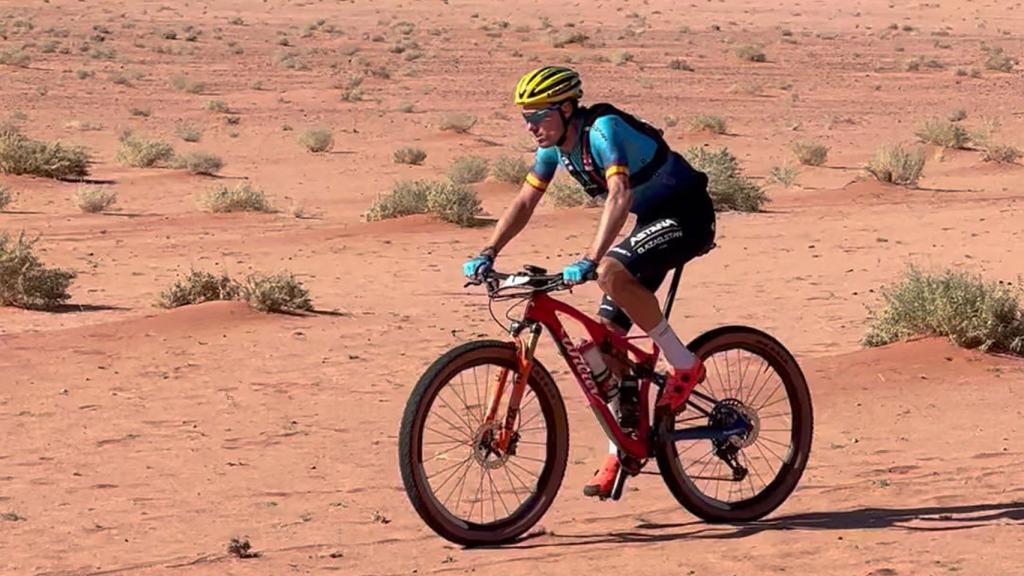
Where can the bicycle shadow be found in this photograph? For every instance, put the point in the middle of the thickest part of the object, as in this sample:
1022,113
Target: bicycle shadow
950,517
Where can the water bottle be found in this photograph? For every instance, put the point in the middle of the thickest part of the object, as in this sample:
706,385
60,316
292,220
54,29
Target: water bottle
606,385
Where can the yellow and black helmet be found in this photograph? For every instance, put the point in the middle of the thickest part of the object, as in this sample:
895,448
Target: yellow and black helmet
548,85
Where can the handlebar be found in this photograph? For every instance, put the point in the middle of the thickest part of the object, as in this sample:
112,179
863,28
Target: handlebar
531,279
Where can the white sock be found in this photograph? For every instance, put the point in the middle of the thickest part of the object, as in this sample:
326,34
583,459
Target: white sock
675,353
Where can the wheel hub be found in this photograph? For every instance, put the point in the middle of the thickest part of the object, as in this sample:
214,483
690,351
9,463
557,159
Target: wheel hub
486,451
731,412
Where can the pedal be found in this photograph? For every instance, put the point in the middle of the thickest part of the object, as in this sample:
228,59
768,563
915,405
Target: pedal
620,483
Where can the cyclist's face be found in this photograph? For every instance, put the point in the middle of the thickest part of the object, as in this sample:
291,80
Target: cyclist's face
544,123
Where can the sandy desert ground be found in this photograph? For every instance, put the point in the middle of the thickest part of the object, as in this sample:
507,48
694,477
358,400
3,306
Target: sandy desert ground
138,440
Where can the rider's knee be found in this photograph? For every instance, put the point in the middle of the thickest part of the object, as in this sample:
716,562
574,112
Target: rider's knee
610,274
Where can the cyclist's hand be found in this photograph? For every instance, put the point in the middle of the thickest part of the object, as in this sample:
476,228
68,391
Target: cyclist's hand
478,266
579,272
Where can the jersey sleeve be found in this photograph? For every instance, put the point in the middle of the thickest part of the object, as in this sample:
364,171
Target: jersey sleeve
607,144
544,167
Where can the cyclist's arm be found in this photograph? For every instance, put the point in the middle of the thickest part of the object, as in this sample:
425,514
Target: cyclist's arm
609,149
519,212
616,212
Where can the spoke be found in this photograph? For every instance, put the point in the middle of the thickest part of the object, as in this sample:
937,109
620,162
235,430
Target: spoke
477,498
698,460
476,385
460,418
769,371
452,426
443,443
769,449
783,399
743,376
521,430
528,458
443,452
692,444
519,500
718,373
532,474
458,483
467,440
494,509
718,485
728,375
439,472
487,395
462,398
521,483
753,390
532,418
750,466
494,489
533,443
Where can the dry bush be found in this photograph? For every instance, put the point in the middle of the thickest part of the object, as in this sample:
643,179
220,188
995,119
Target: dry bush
785,175
6,197
22,155
680,64
15,57
468,170
510,169
567,37
280,292
751,53
199,163
897,165
217,106
317,140
458,122
188,132
25,282
242,198
943,133
183,83
963,307
567,193
917,62
140,152
728,187
450,201
198,287
94,199
810,153
409,155
705,123
1001,153
996,59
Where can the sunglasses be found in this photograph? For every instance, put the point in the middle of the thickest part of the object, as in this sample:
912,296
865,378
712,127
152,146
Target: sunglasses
535,117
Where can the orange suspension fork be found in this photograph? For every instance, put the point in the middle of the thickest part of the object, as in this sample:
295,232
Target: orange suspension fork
524,366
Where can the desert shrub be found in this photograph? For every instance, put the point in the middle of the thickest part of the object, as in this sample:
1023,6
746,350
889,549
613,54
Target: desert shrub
567,37
728,187
567,193
25,282
453,203
810,153
241,198
965,308
943,133
317,140
510,169
680,64
188,132
6,197
996,59
705,123
22,155
198,287
751,54
450,201
199,163
1001,153
94,199
457,122
141,152
409,155
183,83
217,106
785,175
280,292
468,170
15,57
897,164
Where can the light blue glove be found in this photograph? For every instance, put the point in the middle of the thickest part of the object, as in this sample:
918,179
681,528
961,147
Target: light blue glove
478,266
579,272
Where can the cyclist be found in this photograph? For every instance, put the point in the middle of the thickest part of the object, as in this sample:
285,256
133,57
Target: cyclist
615,154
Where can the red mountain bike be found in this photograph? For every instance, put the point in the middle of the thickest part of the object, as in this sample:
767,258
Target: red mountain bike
485,438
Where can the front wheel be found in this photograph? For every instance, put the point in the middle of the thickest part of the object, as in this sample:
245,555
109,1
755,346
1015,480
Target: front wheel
465,489
753,384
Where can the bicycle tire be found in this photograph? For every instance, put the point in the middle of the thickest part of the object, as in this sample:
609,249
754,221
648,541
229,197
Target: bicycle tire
410,448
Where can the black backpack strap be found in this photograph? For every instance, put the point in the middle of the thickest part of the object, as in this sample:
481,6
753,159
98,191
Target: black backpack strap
661,153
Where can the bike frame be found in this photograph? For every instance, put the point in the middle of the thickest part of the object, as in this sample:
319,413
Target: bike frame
543,311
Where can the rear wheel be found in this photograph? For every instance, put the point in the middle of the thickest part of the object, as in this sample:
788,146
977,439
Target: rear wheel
753,383
463,488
